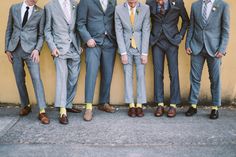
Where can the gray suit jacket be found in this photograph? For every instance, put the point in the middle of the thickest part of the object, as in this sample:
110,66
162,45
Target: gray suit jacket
30,36
215,34
58,32
168,24
124,30
94,23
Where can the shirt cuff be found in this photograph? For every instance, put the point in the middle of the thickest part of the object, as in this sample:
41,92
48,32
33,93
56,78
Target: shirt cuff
144,54
124,53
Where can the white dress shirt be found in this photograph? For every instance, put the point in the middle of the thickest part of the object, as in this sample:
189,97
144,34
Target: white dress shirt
23,10
104,4
209,7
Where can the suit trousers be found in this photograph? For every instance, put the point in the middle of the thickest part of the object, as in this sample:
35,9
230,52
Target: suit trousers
20,58
140,77
103,57
197,64
67,73
160,50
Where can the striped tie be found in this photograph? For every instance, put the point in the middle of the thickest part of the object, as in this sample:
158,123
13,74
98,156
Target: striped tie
204,13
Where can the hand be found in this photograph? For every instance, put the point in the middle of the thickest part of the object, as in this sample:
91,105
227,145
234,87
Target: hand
9,56
35,56
91,43
124,59
144,59
219,55
55,52
189,51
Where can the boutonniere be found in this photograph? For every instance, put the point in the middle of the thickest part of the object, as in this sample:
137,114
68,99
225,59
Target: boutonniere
214,8
73,7
36,9
173,3
137,11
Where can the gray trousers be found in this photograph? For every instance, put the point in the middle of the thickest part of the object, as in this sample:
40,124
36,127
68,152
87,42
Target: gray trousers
20,58
159,51
197,64
67,73
103,57
128,76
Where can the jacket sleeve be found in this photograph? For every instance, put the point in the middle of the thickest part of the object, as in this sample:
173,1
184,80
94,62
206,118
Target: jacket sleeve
185,19
9,29
41,33
191,29
146,32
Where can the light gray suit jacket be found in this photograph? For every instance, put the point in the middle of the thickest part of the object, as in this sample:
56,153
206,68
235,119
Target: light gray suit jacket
214,34
58,32
124,30
30,36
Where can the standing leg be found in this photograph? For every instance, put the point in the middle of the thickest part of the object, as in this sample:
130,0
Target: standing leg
172,58
158,62
197,63
73,75
92,65
107,66
19,72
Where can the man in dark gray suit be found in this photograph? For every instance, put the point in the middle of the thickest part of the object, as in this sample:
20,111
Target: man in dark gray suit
96,28
165,39
24,40
207,40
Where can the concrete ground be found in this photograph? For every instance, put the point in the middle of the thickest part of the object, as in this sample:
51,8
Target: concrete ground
117,135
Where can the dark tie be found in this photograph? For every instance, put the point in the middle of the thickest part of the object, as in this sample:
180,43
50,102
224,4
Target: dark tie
162,9
25,16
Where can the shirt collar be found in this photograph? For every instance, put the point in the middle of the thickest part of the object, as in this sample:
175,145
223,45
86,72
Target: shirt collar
130,7
212,1
25,5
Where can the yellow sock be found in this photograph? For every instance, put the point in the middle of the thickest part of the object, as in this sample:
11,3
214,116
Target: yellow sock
194,105
131,105
89,106
139,105
62,111
215,108
42,110
173,105
160,104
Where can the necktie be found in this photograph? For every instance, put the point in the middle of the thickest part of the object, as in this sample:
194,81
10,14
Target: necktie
162,9
104,5
66,10
204,13
132,16
25,19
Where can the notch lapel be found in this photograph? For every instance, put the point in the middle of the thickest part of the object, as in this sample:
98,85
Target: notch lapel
215,4
99,5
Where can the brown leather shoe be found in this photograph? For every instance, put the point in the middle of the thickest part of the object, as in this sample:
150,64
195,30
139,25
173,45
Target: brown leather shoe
132,112
43,118
73,110
63,119
139,112
88,115
159,111
107,108
25,111
171,112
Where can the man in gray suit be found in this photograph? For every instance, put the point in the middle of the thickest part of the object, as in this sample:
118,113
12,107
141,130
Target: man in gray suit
24,40
132,21
64,43
165,39
96,27
207,40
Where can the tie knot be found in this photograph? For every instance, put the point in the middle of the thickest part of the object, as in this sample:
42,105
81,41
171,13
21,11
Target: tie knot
27,8
207,1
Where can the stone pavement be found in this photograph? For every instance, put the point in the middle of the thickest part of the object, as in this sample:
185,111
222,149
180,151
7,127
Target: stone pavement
117,135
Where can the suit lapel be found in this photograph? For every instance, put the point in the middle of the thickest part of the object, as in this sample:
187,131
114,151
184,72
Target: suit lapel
110,5
58,6
73,12
215,4
35,10
18,12
97,2
126,14
137,13
198,11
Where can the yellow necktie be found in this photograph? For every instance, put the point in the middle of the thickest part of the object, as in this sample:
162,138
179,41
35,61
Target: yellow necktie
133,43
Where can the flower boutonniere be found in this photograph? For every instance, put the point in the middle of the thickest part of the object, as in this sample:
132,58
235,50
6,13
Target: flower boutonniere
137,11
36,9
214,8
73,7
173,3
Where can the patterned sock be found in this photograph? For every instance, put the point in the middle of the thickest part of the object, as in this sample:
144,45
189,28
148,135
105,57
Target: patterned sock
62,111
89,106
173,105
194,105
131,105
160,104
42,110
139,106
215,108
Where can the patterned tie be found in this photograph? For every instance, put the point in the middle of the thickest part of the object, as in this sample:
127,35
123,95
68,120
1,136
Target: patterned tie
204,13
132,17
66,10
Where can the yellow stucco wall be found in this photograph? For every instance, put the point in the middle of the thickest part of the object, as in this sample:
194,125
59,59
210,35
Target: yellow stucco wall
9,94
